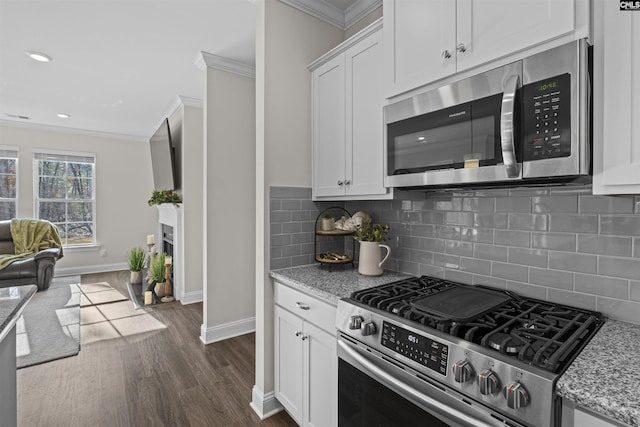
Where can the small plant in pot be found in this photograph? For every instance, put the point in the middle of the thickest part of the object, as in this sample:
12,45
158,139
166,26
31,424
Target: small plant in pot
157,274
136,264
370,260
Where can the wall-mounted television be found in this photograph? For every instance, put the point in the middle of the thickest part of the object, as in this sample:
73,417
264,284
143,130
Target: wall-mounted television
162,158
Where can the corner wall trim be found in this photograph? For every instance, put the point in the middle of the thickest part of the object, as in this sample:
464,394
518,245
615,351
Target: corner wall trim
264,404
206,59
227,330
192,297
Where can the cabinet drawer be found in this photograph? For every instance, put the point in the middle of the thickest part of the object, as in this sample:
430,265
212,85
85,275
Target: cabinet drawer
307,307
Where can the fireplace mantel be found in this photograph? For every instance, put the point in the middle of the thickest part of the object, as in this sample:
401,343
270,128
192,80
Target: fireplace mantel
171,215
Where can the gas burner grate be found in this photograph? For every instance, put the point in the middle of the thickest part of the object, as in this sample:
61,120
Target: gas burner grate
540,333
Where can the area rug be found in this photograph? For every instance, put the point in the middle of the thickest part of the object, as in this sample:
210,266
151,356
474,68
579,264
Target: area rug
49,327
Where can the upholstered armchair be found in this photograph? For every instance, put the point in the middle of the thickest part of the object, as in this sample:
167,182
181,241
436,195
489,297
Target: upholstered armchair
38,248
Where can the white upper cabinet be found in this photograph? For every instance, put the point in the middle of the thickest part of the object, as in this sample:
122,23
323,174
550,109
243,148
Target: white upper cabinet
420,42
616,136
490,29
426,40
347,120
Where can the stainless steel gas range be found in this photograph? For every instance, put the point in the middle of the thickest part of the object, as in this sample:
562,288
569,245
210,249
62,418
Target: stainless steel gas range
431,352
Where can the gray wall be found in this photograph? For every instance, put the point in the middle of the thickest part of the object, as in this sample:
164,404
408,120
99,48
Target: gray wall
559,244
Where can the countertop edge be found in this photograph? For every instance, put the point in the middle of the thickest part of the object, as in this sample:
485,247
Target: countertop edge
315,292
597,380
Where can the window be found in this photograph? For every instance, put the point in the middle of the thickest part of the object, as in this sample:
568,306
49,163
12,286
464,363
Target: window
65,195
8,182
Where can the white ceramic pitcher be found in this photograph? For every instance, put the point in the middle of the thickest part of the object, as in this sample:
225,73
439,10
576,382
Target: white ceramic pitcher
370,261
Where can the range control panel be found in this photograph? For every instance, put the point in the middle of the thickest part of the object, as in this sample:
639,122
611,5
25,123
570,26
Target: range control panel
547,118
423,350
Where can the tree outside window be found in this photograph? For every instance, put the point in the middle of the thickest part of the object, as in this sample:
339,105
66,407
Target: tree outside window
66,195
8,183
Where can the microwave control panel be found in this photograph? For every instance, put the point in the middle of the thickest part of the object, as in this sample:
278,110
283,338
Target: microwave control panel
547,118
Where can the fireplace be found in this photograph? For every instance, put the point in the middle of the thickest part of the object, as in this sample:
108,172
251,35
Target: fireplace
170,231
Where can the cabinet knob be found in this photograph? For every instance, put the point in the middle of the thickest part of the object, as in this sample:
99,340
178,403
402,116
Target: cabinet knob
461,48
298,333
446,54
304,337
340,182
347,182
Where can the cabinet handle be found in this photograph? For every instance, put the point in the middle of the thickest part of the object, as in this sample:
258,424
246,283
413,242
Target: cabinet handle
461,48
446,54
302,306
340,182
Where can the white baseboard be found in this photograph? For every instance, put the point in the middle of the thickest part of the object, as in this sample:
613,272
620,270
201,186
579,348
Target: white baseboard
265,405
227,330
192,297
88,269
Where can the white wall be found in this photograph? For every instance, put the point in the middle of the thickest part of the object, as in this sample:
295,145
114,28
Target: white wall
229,205
192,190
287,40
123,186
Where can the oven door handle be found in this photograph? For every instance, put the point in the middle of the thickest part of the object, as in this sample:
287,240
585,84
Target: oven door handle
428,401
507,123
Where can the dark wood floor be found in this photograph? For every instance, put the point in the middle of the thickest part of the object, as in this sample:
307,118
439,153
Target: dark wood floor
144,370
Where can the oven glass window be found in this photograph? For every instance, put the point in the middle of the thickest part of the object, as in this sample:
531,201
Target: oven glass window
362,401
467,135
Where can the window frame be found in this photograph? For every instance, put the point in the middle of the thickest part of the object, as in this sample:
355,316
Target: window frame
41,155
17,158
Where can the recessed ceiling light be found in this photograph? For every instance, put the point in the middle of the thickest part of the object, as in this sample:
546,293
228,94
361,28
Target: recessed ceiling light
39,56
63,115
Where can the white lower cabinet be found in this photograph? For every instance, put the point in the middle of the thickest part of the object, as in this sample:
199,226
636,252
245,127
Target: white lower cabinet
306,361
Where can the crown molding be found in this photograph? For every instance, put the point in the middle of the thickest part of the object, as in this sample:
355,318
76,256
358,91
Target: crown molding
333,15
73,131
206,60
359,10
351,41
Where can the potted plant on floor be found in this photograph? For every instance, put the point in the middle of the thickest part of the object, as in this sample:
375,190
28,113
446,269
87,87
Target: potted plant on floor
157,274
370,260
136,264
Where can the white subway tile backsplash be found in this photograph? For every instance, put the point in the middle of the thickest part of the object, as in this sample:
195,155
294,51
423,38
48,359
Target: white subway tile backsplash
554,241
573,262
533,257
599,285
605,245
561,244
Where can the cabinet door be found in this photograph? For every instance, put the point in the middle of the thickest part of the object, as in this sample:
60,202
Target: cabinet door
491,29
616,88
416,35
329,128
288,361
364,124
321,372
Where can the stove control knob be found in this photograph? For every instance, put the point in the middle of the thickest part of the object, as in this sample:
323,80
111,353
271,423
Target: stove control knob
368,328
516,395
355,322
462,371
489,382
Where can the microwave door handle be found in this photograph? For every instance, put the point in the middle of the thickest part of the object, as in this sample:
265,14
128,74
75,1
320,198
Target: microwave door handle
506,127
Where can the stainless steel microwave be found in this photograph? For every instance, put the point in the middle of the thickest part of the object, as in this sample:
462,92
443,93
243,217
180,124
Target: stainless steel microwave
525,122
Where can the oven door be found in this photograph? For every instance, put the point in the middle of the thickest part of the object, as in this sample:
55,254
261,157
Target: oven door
463,133
374,390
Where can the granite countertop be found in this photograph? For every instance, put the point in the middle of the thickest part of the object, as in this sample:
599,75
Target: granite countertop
330,286
12,301
605,377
